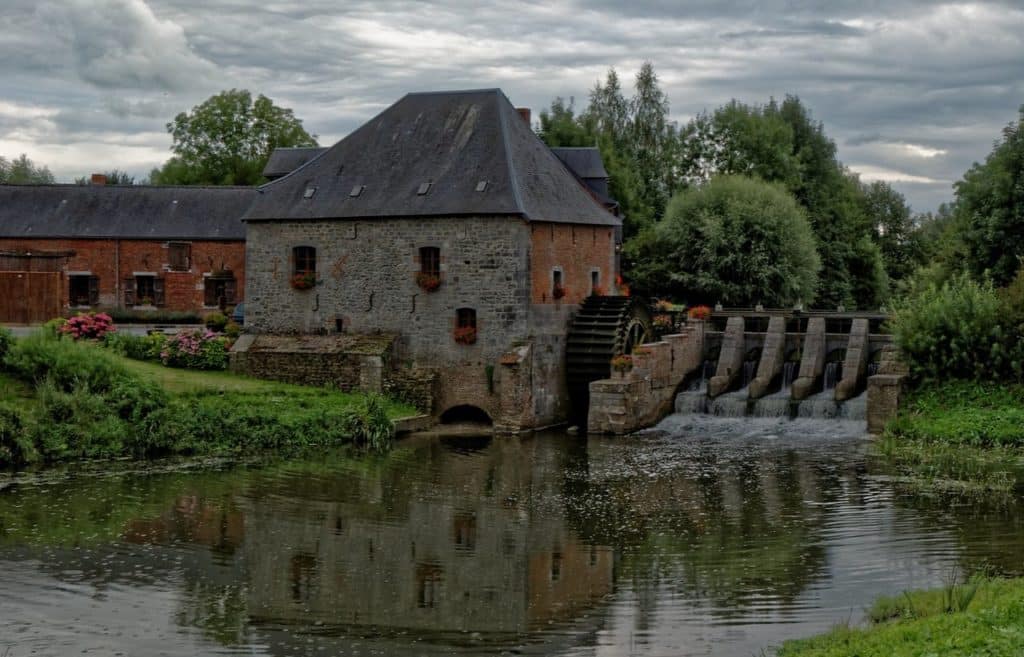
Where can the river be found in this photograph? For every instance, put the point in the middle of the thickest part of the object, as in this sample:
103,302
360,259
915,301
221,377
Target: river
706,536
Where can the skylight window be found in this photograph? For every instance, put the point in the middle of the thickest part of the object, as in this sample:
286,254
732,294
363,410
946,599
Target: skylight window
357,190
481,186
310,191
424,188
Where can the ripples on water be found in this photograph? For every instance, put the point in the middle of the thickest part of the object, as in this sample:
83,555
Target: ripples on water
705,536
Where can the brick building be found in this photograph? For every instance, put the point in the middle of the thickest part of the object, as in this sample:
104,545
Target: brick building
69,247
445,223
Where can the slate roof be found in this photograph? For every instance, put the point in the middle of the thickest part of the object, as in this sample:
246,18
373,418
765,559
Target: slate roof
584,161
123,212
283,161
453,140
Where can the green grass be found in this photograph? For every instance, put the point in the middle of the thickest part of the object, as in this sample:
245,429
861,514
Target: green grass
66,401
953,622
959,436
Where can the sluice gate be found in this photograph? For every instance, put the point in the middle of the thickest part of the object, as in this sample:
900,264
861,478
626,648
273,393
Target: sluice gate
743,363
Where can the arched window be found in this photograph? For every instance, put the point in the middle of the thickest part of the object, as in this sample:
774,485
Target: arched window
304,258
430,261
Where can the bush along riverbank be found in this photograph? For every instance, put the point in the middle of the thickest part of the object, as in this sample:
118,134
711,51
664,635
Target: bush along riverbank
959,436
65,399
978,617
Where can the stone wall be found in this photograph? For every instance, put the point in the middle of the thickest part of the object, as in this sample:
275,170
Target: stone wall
885,390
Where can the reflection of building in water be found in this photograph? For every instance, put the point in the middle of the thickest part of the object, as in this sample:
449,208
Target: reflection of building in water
468,554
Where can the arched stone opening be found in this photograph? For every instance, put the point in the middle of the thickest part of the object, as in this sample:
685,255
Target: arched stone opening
466,414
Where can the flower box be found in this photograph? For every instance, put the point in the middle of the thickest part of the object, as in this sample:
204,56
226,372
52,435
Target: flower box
306,281
428,282
465,335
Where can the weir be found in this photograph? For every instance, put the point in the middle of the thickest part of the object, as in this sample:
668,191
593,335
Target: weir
756,364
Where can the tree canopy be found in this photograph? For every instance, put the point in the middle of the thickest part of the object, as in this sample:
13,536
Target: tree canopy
735,240
23,171
990,208
227,140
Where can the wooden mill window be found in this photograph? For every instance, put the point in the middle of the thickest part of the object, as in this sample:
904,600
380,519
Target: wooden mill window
83,290
144,290
304,258
430,261
179,256
219,290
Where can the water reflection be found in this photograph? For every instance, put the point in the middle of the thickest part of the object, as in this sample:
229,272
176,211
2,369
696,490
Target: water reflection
707,537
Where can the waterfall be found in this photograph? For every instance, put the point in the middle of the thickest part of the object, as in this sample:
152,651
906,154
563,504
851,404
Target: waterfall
707,371
833,374
773,405
789,372
732,404
872,368
749,372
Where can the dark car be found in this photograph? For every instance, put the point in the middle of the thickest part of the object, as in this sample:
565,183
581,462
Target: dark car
238,314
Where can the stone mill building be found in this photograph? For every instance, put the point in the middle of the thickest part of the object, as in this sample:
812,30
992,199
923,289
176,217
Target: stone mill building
437,252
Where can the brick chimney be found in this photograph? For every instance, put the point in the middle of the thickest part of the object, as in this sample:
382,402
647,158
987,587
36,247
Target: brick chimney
524,112
98,179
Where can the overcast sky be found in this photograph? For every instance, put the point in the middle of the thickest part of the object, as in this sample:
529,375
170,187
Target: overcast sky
911,91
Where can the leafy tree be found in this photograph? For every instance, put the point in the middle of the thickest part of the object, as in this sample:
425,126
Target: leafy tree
780,142
114,177
990,205
227,140
735,240
895,233
23,171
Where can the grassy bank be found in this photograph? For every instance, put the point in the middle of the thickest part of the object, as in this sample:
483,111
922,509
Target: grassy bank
959,435
982,617
62,400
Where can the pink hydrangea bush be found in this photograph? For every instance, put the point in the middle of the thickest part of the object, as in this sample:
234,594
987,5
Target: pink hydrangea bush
199,349
91,326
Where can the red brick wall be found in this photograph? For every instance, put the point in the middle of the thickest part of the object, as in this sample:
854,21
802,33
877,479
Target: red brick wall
576,250
114,260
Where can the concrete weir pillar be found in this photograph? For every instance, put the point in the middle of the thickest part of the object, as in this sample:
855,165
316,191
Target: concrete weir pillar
855,367
812,363
773,356
730,359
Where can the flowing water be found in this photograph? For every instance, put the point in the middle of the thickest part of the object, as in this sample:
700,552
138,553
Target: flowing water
707,536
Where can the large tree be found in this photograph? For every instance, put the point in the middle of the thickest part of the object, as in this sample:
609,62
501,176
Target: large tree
735,240
780,142
23,171
990,208
895,231
227,140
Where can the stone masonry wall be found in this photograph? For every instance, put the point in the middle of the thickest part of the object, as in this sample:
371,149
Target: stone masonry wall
112,261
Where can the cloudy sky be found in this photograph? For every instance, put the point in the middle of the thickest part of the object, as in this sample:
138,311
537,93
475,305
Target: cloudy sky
912,91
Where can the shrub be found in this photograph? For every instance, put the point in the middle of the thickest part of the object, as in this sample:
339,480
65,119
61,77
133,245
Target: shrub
65,363
622,363
53,327
233,329
91,326
196,349
960,329
125,316
216,322
6,338
139,347
737,240
16,449
369,425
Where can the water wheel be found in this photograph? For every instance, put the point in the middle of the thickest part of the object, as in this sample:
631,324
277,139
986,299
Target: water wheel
603,327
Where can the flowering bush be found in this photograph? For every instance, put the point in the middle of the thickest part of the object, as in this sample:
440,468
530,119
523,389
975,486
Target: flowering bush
196,349
699,312
428,282
663,324
623,288
304,281
465,334
663,305
92,326
622,363
559,291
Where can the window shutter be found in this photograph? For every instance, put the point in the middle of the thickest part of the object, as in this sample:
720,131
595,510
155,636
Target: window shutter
94,290
209,291
129,291
158,291
230,290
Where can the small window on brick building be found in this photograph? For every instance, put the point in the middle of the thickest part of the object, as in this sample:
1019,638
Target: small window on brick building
219,290
595,281
179,256
430,261
304,258
557,288
144,290
83,290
